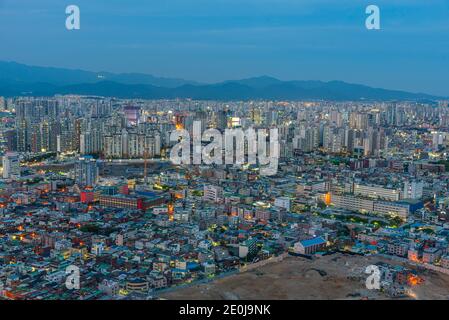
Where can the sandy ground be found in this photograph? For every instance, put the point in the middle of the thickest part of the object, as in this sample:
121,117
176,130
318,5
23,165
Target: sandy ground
333,277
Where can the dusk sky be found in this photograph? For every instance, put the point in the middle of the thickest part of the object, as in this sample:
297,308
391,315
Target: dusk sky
215,40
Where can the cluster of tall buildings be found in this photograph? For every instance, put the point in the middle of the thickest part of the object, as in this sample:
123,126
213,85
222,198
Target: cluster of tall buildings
83,127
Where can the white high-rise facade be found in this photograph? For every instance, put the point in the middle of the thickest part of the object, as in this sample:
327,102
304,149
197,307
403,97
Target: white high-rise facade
413,190
11,166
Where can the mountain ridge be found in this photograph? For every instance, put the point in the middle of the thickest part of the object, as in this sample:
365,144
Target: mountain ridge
19,79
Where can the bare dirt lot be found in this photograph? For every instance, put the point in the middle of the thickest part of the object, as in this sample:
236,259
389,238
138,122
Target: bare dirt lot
333,277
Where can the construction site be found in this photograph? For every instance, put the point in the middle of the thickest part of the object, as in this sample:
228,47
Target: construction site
335,277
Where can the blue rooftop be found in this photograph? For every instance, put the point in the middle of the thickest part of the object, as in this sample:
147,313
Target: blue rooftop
192,265
313,242
147,193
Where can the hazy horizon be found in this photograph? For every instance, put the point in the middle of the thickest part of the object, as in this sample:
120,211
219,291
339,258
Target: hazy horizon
196,82
214,41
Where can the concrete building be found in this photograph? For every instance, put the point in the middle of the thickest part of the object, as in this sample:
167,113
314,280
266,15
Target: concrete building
413,190
364,205
11,166
392,208
352,203
377,192
430,255
309,246
398,249
282,202
86,171
213,193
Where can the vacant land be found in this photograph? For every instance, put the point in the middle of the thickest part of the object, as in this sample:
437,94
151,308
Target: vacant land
335,276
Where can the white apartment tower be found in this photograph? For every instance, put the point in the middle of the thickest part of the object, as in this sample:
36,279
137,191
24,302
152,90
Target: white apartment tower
11,166
413,190
213,193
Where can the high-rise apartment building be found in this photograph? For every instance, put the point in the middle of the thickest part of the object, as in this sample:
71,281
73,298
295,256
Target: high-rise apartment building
413,190
86,171
11,165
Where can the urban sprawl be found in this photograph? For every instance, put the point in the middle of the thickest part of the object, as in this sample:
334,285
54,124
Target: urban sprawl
88,182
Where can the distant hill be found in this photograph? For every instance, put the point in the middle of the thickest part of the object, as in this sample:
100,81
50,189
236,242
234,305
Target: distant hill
18,79
12,71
